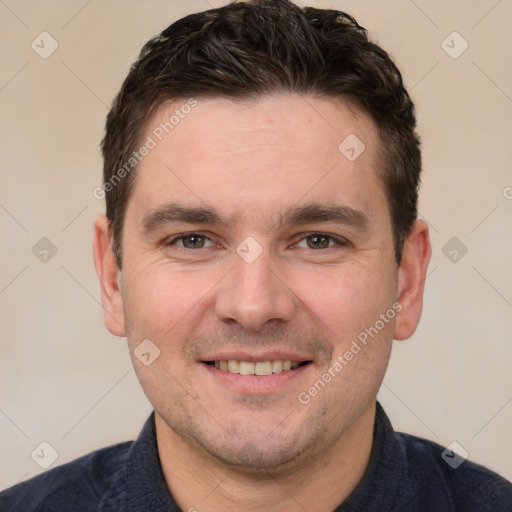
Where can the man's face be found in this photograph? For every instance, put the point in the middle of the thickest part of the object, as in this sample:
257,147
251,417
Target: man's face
266,285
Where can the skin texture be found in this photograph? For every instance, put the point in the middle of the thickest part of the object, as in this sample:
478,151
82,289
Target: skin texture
259,448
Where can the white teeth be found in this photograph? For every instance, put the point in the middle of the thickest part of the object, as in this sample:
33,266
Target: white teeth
256,368
263,368
277,366
246,368
233,366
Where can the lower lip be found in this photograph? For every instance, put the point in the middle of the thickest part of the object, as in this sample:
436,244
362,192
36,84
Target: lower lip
255,384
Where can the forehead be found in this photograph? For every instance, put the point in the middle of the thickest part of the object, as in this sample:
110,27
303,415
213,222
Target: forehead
260,124
249,156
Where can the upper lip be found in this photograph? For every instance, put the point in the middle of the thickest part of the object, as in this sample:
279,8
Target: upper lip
271,355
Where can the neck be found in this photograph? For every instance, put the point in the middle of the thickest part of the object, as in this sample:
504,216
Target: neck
198,482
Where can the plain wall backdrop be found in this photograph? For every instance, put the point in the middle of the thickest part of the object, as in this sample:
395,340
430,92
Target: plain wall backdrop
66,381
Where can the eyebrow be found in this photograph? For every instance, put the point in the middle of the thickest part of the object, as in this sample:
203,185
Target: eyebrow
298,215
329,212
172,212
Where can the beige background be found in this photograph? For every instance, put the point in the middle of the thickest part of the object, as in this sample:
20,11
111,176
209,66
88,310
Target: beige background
65,380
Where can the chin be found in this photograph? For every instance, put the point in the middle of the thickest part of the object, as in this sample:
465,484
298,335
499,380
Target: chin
257,453
255,459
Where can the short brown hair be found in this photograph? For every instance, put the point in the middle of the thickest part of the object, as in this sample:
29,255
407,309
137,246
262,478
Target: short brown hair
255,48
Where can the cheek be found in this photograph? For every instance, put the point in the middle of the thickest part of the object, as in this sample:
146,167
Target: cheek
159,300
348,304
347,299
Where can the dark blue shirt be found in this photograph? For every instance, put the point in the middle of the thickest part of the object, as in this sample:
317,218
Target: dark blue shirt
405,474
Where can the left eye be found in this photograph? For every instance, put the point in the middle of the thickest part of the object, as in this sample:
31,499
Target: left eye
319,241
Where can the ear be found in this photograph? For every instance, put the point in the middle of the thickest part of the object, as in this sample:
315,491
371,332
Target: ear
412,273
109,276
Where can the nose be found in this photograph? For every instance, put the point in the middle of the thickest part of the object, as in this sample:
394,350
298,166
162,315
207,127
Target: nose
253,294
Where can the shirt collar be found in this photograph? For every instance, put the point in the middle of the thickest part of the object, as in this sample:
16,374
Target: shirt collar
140,485
378,488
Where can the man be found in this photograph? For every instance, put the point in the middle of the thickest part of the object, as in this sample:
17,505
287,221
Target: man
260,252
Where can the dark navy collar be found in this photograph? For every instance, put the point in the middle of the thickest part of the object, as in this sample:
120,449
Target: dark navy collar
405,473
141,482
387,465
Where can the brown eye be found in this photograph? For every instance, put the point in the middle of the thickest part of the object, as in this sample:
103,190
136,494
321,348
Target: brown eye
190,241
318,241
193,241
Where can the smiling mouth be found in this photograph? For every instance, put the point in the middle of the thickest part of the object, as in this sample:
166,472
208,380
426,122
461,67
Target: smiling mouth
256,367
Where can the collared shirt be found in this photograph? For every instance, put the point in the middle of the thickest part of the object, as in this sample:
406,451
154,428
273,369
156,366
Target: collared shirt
405,474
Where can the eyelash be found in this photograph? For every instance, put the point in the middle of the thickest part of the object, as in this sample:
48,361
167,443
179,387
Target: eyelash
339,241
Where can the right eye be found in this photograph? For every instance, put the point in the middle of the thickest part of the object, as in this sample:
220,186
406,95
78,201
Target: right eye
190,241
